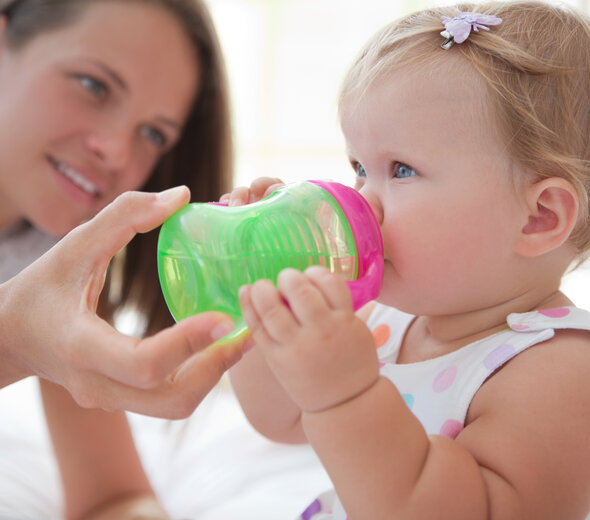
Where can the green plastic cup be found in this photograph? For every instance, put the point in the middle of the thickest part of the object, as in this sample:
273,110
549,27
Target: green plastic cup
207,251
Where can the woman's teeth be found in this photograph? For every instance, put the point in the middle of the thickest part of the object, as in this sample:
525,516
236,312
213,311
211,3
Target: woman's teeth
76,178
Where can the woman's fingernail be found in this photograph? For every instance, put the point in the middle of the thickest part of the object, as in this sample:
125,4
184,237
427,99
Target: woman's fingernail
171,193
222,329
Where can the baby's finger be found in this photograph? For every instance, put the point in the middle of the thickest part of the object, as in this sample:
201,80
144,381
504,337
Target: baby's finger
274,316
272,188
305,299
334,288
263,186
253,321
239,196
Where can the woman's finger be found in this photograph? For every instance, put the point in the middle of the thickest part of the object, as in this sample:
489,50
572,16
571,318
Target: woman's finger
130,213
175,397
147,362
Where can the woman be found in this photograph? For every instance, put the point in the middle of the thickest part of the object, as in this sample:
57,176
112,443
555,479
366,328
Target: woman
92,106
99,98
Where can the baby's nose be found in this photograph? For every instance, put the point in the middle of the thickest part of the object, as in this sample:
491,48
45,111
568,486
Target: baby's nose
375,203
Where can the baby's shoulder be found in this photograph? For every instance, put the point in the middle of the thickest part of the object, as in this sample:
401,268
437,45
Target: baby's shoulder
550,373
529,422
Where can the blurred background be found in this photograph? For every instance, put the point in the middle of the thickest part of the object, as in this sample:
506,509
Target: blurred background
286,59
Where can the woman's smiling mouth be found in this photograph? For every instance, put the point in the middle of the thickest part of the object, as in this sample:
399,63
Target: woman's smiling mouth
75,177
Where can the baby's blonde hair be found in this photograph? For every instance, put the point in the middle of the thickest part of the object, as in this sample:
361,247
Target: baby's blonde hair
536,67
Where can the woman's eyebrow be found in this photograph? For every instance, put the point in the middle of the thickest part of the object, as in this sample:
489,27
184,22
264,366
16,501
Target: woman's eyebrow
169,122
115,77
121,83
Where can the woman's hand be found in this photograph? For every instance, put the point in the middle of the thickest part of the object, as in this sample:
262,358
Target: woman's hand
260,188
50,327
319,350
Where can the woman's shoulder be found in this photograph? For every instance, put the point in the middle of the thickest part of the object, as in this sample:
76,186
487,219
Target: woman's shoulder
20,245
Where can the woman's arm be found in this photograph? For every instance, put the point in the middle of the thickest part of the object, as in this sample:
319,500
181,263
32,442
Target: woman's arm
101,471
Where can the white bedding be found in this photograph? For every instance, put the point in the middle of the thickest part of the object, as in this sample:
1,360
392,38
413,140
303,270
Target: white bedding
212,466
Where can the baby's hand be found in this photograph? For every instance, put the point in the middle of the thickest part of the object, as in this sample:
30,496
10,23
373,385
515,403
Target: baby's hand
260,188
319,350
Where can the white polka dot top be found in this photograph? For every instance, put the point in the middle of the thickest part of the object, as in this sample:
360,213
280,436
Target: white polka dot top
439,390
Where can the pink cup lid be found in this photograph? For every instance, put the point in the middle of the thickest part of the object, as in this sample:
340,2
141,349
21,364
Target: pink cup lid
369,242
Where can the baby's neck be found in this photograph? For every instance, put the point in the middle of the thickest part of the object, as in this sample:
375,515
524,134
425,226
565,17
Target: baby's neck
432,336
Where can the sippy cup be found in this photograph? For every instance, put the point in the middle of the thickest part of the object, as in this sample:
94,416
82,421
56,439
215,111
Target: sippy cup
207,251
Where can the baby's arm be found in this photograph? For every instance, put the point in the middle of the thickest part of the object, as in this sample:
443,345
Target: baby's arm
264,401
101,473
522,454
274,407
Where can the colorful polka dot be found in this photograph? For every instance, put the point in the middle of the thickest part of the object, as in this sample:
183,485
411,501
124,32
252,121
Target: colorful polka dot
558,312
313,508
409,399
451,428
518,326
444,379
499,356
381,334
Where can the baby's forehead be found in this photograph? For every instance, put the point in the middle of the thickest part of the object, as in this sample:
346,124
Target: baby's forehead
425,107
442,80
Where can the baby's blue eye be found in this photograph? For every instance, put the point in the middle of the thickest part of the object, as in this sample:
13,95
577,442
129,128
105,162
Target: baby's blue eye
360,170
403,171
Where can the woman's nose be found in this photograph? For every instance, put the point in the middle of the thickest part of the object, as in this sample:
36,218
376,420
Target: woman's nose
374,201
113,146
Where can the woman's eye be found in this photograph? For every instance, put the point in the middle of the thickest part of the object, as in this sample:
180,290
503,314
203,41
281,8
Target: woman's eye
154,135
403,171
360,170
94,86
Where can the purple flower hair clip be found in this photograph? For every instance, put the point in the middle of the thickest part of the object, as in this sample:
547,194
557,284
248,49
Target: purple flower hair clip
458,29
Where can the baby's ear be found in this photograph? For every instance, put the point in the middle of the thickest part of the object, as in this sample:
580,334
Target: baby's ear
552,206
